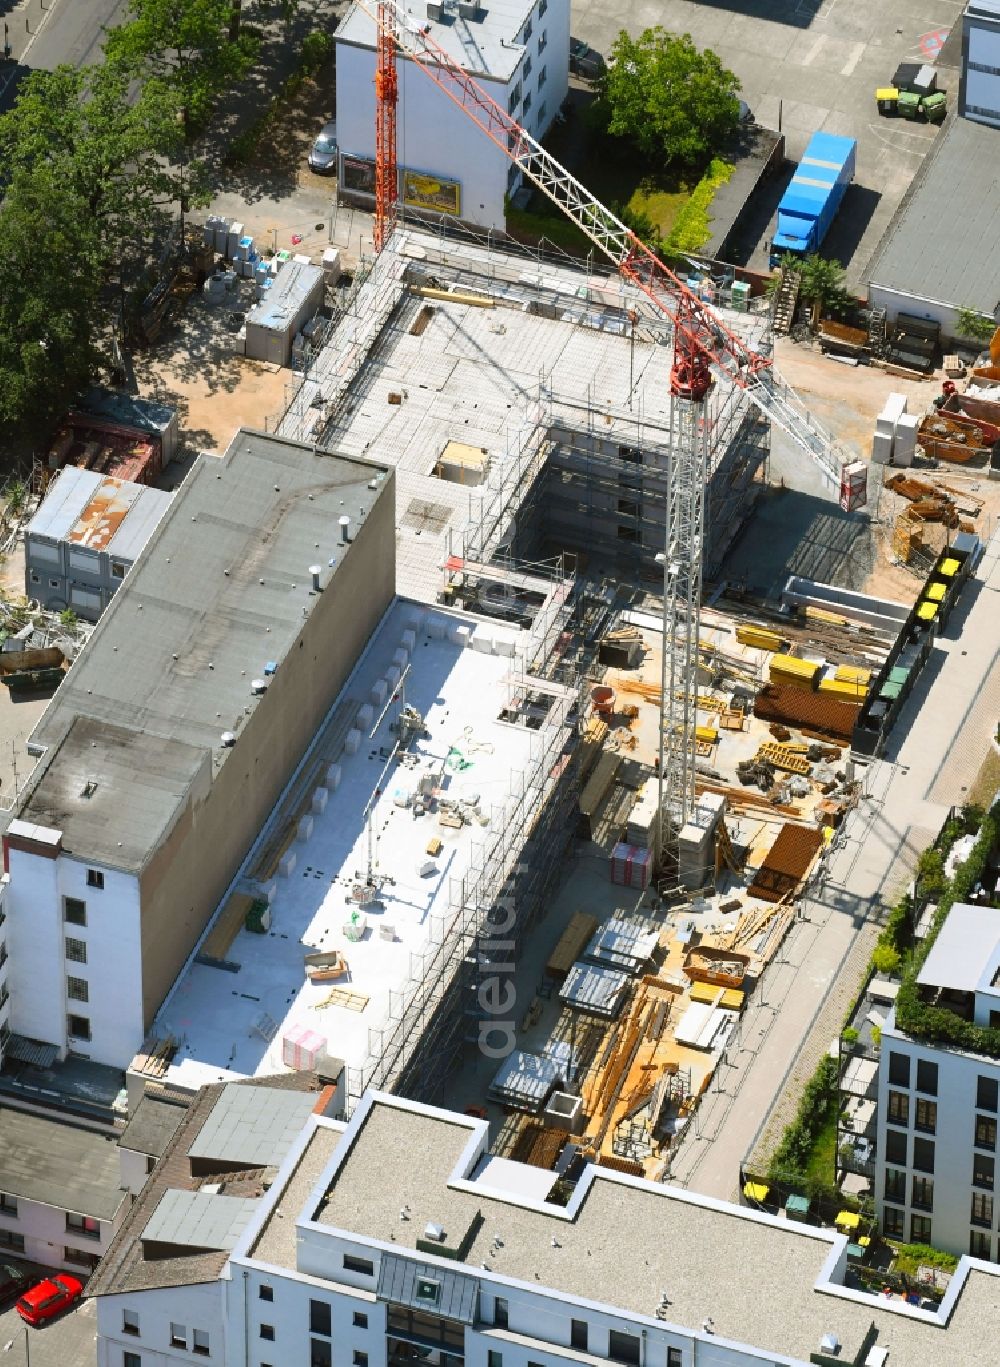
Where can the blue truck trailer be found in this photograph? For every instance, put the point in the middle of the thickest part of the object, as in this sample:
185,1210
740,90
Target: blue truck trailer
813,196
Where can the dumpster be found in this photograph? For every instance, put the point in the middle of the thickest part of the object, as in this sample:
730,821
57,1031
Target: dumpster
886,98
934,107
908,104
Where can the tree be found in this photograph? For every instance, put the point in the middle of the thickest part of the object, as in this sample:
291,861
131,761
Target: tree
974,325
821,281
49,301
672,100
109,141
193,47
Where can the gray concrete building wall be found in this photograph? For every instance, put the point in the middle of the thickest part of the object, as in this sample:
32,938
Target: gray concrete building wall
187,875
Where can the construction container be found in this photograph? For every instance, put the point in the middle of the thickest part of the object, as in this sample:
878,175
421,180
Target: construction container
886,99
759,637
908,105
788,669
739,299
274,322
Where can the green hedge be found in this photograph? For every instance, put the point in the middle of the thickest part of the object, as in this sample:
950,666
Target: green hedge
692,226
790,1159
937,1023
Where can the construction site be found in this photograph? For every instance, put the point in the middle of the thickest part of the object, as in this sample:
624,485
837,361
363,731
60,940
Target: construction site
558,779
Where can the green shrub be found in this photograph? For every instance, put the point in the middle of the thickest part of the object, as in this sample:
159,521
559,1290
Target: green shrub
932,879
849,1035
886,959
692,227
790,1160
317,49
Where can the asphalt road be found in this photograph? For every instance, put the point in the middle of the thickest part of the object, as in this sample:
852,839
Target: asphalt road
65,1342
55,33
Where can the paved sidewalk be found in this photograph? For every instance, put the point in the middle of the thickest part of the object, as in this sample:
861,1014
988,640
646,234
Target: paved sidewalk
934,756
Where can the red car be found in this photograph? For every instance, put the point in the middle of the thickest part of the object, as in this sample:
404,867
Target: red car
50,1297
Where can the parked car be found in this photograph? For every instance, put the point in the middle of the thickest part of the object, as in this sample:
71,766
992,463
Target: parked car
13,1281
49,1298
585,61
323,156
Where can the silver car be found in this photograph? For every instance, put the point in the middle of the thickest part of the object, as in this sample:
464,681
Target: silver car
323,156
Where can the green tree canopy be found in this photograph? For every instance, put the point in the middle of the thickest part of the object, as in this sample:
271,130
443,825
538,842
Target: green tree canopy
49,301
672,100
188,45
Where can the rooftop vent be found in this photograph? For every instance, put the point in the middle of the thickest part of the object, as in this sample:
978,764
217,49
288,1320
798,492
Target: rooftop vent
469,9
258,686
435,12
829,1343
228,739
345,529
89,788
435,1232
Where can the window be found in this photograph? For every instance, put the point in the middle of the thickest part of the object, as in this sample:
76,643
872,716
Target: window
12,1240
95,878
77,989
920,1229
922,1194
515,97
359,1359
359,1319
527,102
8,1205
979,1244
899,1108
895,1148
83,1224
320,1353
926,1116
985,68
363,1265
81,1257
199,1342
494,1359
428,1291
131,1360
541,112
35,577
895,1185
982,1170
578,1334
986,1094
74,911
623,1347
78,1027
178,1335
526,72
543,39
500,1312
927,1076
265,1292
923,1155
986,1132
53,583
542,76
117,570
899,1069
675,1357
130,1322
320,1318
527,31
982,1209
76,950
267,1332
542,7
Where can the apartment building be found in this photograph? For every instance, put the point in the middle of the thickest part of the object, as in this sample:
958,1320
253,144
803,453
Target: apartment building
937,1113
402,1237
517,50
171,739
61,1194
979,86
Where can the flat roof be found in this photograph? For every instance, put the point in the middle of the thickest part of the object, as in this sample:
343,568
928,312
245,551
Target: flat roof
252,1127
219,590
965,951
941,245
485,46
468,755
152,1125
79,788
199,1219
762,1280
59,1165
98,512
289,290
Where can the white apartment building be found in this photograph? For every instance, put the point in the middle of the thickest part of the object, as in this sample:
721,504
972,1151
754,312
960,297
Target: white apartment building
936,1141
979,87
518,50
62,1199
400,1237
165,748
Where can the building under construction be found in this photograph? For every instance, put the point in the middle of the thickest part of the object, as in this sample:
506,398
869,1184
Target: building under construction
526,406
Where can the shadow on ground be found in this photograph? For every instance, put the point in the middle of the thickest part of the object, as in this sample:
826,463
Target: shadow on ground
797,533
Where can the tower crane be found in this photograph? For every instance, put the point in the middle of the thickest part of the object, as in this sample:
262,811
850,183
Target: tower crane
703,347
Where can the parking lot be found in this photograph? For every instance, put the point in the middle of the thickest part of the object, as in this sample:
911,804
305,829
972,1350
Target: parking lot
814,64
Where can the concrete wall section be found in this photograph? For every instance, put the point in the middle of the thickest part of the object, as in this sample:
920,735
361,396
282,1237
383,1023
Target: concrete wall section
162,1315
895,302
183,882
47,1240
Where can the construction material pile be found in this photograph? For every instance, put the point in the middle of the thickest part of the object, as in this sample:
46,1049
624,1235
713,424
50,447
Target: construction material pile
815,714
793,672
786,863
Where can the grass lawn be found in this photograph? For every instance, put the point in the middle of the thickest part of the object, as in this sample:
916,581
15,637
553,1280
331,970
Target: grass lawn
820,1167
987,782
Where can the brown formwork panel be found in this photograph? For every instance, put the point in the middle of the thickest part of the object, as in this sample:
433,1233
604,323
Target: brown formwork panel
796,707
786,864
